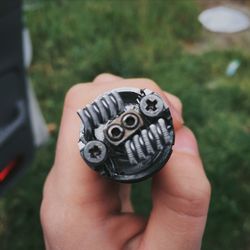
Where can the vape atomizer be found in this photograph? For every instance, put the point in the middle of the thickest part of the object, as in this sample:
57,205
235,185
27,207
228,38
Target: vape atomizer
127,134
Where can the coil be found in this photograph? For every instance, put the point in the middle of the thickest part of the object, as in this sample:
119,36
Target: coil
148,142
100,111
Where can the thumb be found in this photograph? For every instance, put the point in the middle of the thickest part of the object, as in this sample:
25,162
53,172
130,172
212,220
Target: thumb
181,194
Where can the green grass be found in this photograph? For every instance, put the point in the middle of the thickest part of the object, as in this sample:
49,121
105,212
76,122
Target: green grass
76,40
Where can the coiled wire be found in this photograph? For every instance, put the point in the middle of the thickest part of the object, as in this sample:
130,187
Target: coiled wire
100,111
148,142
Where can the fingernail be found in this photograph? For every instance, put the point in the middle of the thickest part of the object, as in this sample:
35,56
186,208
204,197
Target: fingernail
185,142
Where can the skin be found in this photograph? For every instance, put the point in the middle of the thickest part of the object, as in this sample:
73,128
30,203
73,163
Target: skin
81,210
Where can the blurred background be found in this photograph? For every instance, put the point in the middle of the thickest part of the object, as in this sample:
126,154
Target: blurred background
73,41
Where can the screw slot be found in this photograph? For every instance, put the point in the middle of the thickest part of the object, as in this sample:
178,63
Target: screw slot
95,152
151,105
130,121
115,132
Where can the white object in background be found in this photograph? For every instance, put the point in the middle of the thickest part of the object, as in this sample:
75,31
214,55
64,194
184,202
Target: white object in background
38,124
224,20
232,67
27,48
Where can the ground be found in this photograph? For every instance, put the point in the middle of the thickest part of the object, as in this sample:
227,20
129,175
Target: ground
73,41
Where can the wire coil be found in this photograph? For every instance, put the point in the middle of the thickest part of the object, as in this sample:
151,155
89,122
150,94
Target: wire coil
148,142
100,111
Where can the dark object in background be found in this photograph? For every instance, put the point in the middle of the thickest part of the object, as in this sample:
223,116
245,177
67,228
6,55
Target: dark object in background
16,141
127,134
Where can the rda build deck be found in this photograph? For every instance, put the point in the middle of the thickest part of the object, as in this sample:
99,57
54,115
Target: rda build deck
127,134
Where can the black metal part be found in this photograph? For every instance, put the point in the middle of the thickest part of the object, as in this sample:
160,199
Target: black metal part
95,152
16,139
127,134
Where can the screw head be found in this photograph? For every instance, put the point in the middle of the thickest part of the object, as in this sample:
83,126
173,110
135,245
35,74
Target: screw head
115,132
95,152
151,105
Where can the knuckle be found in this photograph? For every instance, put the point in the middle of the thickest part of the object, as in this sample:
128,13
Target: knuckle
145,83
198,198
201,194
102,77
149,84
45,208
48,184
45,213
73,92
52,215
49,209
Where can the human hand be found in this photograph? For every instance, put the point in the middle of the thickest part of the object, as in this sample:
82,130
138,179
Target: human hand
82,210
